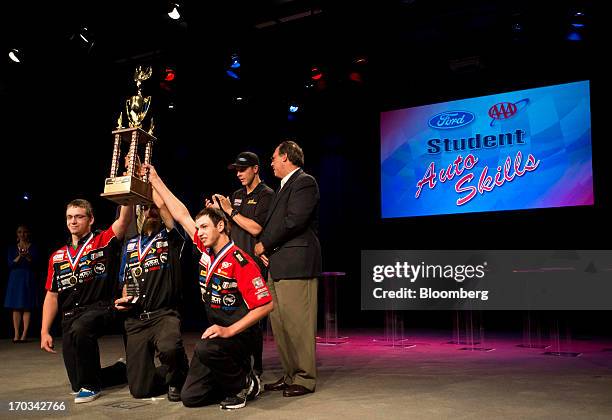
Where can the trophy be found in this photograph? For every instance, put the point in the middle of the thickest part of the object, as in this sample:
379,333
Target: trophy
131,188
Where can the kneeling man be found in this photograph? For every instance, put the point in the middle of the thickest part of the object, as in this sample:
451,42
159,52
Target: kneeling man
235,297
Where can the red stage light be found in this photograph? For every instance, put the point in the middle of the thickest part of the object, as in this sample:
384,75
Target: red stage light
315,73
355,77
169,75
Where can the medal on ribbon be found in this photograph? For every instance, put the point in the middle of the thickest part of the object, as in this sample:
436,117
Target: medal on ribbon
74,262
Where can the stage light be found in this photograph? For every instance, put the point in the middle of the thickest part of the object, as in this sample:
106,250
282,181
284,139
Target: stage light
357,69
86,36
233,69
174,11
83,39
315,73
171,106
15,55
26,196
235,61
169,74
293,108
577,25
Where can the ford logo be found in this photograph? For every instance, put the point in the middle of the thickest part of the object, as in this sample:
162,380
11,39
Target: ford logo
451,119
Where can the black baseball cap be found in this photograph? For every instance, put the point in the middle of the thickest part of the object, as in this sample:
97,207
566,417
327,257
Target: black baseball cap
244,160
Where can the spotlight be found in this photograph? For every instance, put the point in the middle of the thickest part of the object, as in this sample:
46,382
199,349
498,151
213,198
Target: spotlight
357,69
293,108
315,73
84,34
233,70
577,25
235,61
171,106
15,55
169,74
173,11
26,196
83,39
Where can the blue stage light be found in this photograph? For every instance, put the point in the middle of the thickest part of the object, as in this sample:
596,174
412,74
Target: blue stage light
235,62
232,74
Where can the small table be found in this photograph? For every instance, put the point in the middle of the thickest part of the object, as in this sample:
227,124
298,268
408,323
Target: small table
330,288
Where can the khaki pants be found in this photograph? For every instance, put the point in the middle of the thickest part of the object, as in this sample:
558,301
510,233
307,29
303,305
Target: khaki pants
294,323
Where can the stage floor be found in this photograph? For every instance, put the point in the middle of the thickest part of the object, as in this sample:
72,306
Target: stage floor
361,379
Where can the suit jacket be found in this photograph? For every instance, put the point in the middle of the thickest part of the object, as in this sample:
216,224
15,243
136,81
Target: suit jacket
291,228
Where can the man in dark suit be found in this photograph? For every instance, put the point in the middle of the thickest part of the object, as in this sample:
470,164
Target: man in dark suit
290,245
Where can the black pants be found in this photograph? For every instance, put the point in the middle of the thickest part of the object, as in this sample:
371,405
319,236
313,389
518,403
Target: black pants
82,354
218,369
162,335
258,349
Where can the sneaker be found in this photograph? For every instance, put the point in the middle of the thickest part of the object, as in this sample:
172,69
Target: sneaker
239,400
174,393
256,387
85,395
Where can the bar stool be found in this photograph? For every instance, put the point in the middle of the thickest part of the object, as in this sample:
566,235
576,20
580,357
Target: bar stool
330,289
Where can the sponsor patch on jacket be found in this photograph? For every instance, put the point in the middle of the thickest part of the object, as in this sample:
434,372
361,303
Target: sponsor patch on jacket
97,255
258,282
229,300
131,246
240,258
262,295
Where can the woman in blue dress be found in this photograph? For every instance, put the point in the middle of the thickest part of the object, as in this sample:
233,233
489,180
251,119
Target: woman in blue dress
21,291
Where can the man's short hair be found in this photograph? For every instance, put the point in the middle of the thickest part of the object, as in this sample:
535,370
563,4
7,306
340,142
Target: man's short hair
84,204
294,153
216,216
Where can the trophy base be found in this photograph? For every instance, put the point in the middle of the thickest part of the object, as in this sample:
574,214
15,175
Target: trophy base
127,190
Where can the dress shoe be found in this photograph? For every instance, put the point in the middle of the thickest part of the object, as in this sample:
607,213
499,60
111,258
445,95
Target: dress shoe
277,386
174,394
296,391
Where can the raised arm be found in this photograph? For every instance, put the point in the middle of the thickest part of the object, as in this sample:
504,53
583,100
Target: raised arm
177,209
163,211
120,225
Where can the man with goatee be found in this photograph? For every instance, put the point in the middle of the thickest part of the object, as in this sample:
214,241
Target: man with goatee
151,278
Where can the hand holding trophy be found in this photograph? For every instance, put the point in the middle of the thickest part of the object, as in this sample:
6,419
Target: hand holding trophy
130,188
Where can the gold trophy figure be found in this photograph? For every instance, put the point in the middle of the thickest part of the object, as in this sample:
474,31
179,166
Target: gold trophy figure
131,188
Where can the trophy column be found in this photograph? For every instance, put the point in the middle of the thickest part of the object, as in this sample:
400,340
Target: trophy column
130,189
116,155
